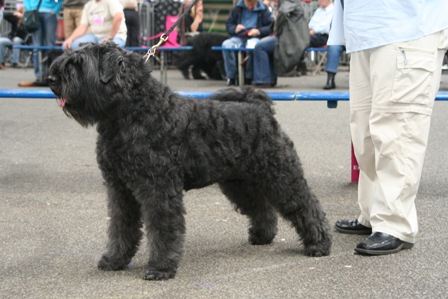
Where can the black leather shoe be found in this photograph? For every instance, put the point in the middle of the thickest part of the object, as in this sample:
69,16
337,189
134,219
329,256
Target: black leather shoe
352,227
380,244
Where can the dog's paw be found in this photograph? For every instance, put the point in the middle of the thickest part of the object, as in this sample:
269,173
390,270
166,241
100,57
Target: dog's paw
154,274
261,237
109,264
317,250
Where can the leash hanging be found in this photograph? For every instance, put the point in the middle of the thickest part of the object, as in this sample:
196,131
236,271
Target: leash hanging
164,37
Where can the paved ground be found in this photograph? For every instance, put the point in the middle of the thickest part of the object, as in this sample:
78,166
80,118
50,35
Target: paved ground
53,214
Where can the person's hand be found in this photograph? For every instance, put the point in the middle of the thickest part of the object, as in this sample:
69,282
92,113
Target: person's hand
254,32
106,39
67,44
239,28
312,32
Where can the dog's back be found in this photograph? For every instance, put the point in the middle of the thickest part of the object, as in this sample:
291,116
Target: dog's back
244,95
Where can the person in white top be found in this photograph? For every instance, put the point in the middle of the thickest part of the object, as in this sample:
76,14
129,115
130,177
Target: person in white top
320,22
397,48
106,21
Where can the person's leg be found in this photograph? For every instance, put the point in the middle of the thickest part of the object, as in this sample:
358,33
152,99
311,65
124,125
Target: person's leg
86,38
230,56
133,26
249,67
69,22
333,55
37,41
15,58
263,72
120,42
318,40
360,109
405,78
4,43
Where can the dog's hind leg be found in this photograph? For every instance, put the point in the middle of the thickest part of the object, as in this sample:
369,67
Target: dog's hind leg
163,214
248,201
290,194
124,228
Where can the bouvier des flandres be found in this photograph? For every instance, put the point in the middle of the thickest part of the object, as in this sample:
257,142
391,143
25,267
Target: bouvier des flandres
153,144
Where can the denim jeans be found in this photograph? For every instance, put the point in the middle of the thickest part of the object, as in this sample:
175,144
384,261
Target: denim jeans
91,38
230,56
44,36
263,56
334,53
6,42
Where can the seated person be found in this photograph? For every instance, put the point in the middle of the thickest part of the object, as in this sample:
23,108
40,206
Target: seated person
248,22
319,27
319,24
17,36
191,23
106,21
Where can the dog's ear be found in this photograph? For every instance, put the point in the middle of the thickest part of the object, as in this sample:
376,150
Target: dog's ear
109,68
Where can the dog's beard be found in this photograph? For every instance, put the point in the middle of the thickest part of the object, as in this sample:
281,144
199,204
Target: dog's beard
80,117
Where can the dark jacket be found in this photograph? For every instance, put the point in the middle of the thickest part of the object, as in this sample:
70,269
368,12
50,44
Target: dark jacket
292,35
264,21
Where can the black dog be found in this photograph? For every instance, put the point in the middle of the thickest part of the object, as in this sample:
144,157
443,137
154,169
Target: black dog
153,144
202,57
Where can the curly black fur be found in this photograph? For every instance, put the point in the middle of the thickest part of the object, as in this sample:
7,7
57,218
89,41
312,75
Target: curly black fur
202,57
153,144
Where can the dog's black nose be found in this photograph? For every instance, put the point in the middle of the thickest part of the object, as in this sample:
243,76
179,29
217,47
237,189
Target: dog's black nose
51,79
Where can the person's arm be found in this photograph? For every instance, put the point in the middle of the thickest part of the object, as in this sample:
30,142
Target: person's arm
198,17
266,24
116,23
79,31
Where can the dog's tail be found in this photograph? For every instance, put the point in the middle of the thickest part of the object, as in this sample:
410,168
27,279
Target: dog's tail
246,94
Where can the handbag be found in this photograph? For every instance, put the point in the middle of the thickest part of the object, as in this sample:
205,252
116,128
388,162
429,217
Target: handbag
30,19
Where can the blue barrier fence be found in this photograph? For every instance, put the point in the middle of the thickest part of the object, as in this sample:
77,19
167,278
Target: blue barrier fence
331,97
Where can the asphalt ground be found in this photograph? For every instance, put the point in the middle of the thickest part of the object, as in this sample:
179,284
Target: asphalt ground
53,216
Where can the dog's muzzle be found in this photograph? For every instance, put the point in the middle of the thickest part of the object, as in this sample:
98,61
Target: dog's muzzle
52,82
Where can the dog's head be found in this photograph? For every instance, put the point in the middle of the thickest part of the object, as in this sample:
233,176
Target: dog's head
93,80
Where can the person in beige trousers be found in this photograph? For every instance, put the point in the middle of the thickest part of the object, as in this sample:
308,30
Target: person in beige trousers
395,70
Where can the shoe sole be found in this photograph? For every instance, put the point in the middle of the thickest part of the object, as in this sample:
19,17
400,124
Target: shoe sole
384,252
354,232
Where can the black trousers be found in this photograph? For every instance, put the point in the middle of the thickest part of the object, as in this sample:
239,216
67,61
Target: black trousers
318,40
133,25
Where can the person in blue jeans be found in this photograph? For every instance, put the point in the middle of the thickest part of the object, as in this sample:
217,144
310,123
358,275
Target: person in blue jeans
45,35
334,53
248,22
16,36
264,73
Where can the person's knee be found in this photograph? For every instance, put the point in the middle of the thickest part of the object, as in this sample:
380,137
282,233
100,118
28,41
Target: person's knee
227,43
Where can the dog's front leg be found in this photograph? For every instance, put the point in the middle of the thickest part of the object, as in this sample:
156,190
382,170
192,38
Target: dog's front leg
163,214
124,227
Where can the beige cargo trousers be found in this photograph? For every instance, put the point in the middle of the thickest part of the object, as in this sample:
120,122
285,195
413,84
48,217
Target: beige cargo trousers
392,92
